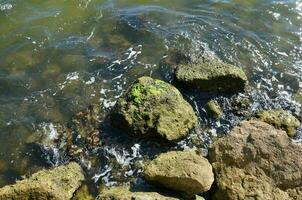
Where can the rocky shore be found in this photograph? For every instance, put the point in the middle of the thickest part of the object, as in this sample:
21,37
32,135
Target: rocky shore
256,160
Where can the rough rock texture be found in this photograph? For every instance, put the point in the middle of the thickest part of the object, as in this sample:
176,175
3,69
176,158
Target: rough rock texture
210,74
153,108
280,119
214,109
56,184
184,171
257,161
123,193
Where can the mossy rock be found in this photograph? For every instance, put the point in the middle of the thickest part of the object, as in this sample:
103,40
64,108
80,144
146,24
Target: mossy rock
281,119
298,96
214,109
83,193
124,193
183,171
154,108
55,184
211,74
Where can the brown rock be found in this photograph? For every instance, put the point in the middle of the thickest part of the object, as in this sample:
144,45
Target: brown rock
257,161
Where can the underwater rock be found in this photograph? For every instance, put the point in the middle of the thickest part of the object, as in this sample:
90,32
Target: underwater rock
241,105
56,184
280,119
214,109
124,193
153,108
211,74
184,171
256,161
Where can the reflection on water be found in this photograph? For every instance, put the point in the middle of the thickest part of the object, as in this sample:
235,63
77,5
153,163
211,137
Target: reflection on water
58,57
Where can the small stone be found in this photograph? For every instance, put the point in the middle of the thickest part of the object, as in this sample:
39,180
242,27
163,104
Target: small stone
154,108
184,171
55,184
214,109
124,193
281,119
211,74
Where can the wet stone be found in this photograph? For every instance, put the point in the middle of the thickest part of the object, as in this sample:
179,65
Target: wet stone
185,171
280,119
55,184
154,109
214,109
212,75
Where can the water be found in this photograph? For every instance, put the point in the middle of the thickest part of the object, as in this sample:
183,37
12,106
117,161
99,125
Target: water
58,57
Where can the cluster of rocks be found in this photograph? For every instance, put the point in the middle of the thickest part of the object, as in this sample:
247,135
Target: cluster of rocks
255,161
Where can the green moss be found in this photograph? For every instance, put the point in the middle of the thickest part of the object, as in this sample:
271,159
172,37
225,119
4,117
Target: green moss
280,119
152,107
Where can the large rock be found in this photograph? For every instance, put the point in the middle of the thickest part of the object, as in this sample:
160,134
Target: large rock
154,108
124,193
257,161
211,74
184,171
280,119
56,184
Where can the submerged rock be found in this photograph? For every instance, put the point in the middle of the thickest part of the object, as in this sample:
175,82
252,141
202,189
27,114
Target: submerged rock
124,193
214,109
56,184
184,171
298,96
257,161
280,119
83,193
211,74
154,108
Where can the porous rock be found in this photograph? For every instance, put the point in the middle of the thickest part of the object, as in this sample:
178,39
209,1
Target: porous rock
256,161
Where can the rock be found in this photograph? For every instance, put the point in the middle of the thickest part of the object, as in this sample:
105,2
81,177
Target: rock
83,193
210,74
153,108
124,193
280,119
256,161
298,96
184,171
214,109
55,184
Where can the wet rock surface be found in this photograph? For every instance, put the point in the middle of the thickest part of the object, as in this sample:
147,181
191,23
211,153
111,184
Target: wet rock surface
56,184
184,171
214,109
211,74
154,108
280,119
124,193
256,161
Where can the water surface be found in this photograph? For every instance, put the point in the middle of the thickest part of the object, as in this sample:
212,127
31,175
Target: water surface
58,57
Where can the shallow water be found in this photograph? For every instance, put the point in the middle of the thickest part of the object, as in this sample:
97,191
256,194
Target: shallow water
58,57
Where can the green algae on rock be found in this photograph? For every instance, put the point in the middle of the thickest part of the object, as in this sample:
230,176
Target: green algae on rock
211,74
214,108
83,193
184,171
124,193
280,119
256,161
55,184
153,108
